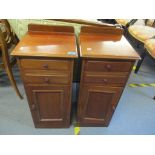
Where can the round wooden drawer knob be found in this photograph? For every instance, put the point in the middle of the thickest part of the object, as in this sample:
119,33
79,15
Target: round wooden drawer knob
108,67
105,80
45,66
47,80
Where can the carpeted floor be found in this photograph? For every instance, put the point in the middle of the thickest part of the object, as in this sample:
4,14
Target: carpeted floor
135,113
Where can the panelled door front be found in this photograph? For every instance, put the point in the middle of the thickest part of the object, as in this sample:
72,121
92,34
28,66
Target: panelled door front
50,105
97,104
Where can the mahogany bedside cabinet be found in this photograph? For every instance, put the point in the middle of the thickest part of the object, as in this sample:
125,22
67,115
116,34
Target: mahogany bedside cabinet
46,57
107,60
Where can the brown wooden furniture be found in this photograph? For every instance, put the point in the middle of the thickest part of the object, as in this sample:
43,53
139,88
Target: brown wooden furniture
46,58
7,62
107,60
138,35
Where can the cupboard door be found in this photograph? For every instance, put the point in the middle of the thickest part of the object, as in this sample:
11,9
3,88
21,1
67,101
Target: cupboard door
97,105
50,105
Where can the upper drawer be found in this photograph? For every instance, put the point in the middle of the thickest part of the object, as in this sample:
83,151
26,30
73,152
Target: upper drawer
45,64
107,66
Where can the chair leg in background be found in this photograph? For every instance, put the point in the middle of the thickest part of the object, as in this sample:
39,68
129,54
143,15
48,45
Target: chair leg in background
13,82
140,62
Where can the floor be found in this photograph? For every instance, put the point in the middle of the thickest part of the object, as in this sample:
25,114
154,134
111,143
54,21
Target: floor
135,113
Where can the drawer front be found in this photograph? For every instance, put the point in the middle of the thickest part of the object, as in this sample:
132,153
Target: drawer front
61,78
36,64
105,79
107,66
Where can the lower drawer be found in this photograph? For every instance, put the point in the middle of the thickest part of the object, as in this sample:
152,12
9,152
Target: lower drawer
118,80
61,78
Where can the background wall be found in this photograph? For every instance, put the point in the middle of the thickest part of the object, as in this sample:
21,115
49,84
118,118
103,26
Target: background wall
20,26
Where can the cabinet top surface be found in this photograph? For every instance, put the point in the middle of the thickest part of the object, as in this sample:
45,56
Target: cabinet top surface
99,46
58,45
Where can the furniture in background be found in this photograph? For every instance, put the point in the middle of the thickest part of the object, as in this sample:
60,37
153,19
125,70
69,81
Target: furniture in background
7,39
86,22
123,22
142,33
9,35
46,58
107,61
109,21
138,31
149,47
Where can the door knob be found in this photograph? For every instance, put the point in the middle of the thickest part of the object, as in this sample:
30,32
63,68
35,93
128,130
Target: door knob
113,108
33,107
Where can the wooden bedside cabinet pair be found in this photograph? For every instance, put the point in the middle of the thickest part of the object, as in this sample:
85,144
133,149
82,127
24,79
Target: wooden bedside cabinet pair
46,57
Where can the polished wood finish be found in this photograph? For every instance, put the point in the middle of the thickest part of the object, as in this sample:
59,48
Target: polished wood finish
50,77
47,72
46,58
35,28
45,64
47,43
50,105
48,91
104,79
106,66
97,104
100,30
6,41
107,44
